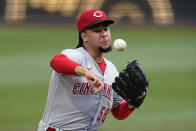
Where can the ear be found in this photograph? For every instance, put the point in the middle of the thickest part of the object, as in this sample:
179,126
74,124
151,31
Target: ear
84,37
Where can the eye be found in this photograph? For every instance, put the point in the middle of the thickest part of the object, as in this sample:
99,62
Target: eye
106,28
97,30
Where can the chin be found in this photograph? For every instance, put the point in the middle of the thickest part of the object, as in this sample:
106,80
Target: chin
105,50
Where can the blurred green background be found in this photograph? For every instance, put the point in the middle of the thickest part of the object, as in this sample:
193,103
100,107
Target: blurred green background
167,54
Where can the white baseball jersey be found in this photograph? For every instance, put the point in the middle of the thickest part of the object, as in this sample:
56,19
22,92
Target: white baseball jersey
72,104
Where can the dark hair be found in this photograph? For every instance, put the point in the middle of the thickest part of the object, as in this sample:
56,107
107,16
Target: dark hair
80,44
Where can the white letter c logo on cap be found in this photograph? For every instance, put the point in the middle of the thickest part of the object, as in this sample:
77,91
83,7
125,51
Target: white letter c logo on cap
97,14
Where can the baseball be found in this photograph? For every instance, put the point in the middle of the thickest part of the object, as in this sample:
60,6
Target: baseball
119,44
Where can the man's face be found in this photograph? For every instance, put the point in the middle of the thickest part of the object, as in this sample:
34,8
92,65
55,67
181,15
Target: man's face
98,37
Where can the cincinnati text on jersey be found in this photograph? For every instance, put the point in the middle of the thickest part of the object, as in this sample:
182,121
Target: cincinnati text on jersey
86,89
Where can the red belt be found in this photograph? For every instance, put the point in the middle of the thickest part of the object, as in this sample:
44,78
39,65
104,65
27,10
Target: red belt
50,129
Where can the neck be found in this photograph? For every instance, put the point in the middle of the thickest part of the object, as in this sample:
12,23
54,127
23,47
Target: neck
99,59
96,55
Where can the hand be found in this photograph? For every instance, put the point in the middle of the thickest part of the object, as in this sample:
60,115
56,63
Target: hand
93,79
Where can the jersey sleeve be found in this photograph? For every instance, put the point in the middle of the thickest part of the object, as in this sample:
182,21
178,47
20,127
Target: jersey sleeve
62,64
116,100
122,111
74,55
66,61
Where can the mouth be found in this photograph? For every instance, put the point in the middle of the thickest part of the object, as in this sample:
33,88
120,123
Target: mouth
106,42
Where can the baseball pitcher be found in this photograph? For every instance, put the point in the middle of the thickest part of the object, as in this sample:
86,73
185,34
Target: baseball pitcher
85,87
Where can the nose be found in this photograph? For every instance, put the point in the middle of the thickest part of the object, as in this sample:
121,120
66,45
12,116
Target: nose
104,33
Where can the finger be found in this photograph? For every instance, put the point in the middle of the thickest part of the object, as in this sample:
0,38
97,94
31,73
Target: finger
91,80
100,85
99,89
95,82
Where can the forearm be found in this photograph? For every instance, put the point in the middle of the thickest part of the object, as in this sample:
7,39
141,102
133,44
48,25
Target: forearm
82,71
122,111
62,64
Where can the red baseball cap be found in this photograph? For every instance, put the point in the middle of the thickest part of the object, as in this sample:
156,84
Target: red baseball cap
90,18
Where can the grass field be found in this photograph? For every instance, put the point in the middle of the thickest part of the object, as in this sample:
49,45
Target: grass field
167,54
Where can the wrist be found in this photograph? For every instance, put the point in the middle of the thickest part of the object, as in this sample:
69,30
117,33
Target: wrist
81,70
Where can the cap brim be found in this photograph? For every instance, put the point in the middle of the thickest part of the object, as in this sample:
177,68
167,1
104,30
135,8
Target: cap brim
109,22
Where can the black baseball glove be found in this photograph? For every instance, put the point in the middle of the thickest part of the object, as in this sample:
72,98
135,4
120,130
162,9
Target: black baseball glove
131,84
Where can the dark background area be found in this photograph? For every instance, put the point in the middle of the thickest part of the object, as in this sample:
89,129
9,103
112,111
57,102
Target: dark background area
184,12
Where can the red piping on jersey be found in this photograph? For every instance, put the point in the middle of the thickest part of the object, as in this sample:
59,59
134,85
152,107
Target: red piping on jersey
122,111
62,64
